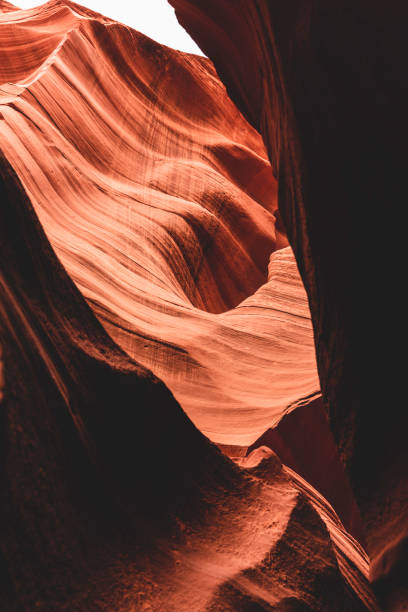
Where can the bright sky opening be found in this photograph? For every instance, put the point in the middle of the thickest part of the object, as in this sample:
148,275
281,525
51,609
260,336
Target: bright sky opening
155,18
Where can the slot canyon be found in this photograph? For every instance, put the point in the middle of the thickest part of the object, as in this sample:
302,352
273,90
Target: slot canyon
201,322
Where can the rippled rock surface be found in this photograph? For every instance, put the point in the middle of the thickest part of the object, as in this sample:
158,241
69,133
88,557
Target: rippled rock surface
150,306
326,86
159,201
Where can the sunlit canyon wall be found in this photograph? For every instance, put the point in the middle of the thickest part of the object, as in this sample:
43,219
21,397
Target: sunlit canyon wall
151,307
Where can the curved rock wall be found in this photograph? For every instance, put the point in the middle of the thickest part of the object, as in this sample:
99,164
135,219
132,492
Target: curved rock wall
159,200
139,209
111,498
325,84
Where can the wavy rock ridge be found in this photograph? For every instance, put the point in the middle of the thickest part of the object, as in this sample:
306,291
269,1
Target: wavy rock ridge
151,251
326,86
99,513
159,201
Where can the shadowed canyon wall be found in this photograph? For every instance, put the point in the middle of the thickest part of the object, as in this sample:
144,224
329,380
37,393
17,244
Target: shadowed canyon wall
325,84
111,498
143,255
159,200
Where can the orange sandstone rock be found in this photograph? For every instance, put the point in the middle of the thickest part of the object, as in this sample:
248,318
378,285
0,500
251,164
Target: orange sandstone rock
159,200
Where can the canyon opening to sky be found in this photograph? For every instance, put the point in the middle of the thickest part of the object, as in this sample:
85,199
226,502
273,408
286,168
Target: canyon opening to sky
188,415
155,18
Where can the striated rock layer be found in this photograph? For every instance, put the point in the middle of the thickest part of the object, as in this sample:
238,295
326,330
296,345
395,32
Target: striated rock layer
158,199
102,509
137,224
326,85
304,442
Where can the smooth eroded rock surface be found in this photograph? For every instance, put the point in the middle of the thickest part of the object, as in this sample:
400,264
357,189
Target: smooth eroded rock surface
111,498
159,200
326,86
148,296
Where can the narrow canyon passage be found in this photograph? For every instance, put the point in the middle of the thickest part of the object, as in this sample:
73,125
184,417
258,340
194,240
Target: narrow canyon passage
158,198
326,86
152,313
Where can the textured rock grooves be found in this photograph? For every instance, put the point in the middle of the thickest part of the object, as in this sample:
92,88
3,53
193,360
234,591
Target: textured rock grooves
306,458
103,510
148,296
326,85
158,199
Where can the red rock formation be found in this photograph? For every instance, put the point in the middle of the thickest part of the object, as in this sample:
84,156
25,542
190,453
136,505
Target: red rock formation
155,197
111,498
304,442
325,84
6,7
159,201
